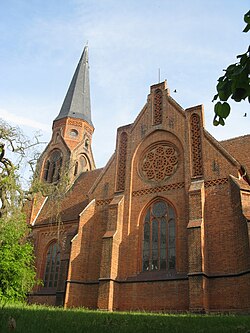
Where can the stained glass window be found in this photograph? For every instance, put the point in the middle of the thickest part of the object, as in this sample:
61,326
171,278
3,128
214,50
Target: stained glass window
163,242
159,237
52,266
146,246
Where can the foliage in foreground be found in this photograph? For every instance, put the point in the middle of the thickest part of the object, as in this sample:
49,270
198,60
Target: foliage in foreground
235,83
17,272
38,319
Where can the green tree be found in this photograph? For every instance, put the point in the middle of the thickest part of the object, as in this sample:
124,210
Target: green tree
17,272
235,83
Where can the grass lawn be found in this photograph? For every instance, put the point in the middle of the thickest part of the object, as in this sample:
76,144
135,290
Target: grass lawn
38,319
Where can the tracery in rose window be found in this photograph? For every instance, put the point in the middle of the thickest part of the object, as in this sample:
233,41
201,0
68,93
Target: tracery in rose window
159,162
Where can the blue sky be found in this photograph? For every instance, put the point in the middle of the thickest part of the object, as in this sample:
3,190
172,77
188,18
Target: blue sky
190,41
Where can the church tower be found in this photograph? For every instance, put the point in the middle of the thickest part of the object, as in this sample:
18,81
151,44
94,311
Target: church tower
70,145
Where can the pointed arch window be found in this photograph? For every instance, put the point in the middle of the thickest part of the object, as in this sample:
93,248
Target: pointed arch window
83,163
159,251
52,168
52,266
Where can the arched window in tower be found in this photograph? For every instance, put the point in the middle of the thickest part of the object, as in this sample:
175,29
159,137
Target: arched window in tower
158,247
52,266
83,163
52,167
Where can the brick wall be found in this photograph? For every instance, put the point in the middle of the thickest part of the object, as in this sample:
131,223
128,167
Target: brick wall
239,148
154,296
42,299
82,295
230,294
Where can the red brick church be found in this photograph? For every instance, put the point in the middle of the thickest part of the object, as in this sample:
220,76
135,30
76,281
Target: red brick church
164,226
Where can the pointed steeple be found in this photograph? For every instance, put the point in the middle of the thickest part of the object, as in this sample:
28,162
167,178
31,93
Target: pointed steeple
77,100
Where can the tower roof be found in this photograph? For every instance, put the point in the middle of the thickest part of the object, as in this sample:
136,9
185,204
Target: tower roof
77,100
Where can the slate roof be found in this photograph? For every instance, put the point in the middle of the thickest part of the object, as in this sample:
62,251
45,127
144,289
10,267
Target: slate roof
74,202
77,100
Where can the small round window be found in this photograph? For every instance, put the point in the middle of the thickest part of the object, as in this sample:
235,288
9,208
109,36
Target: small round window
73,133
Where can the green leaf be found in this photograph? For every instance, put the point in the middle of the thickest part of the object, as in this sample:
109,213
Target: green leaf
220,79
247,17
216,122
224,90
239,94
231,68
247,20
243,59
247,28
238,70
241,81
215,97
240,55
222,110
217,108
225,110
221,121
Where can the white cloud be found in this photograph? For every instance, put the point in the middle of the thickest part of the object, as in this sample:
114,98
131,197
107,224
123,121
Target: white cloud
22,121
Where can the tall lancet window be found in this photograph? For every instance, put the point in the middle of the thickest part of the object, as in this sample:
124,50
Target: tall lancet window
52,266
52,167
159,237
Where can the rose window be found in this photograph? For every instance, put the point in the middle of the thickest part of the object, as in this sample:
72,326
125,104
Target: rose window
159,162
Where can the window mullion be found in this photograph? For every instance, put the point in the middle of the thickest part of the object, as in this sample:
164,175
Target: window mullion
150,243
159,243
167,241
50,264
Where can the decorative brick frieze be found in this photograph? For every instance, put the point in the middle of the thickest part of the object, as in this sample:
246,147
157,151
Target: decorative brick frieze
176,186
157,107
122,157
214,182
53,233
103,202
197,162
75,123
158,189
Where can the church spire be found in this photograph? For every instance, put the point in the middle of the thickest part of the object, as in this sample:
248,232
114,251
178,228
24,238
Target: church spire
77,100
